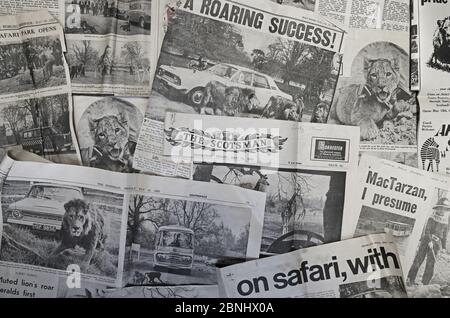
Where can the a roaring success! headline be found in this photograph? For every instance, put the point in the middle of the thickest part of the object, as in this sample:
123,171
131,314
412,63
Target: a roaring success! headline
278,25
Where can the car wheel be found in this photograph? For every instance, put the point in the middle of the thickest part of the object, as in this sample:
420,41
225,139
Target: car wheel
196,97
142,23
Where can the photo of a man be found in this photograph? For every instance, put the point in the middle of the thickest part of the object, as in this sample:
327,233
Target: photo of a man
433,242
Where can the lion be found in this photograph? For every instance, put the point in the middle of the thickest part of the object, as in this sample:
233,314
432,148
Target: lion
370,104
320,113
228,100
113,150
84,227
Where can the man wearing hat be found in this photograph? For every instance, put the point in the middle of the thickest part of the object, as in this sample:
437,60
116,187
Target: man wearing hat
433,240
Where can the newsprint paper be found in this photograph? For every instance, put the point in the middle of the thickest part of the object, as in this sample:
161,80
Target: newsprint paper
35,106
307,170
434,97
414,207
70,227
366,267
233,59
54,7
374,94
111,46
389,15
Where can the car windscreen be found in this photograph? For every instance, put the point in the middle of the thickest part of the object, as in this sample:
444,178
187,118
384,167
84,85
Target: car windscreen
176,239
54,193
223,70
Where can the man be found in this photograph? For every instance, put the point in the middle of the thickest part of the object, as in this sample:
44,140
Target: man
433,240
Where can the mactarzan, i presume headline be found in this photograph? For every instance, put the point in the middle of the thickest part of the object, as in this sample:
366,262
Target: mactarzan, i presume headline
392,184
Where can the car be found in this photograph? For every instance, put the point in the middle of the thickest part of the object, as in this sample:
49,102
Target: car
174,249
191,83
45,139
42,208
140,13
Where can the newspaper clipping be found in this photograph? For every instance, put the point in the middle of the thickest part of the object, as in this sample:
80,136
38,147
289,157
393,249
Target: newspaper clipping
417,216
54,7
110,46
367,267
107,129
374,94
272,62
66,226
415,56
434,97
305,169
35,107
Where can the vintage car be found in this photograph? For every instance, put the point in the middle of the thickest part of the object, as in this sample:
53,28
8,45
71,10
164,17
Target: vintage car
42,208
140,13
191,83
46,139
174,249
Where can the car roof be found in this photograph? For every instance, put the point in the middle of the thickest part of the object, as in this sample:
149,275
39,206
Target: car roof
241,68
55,186
175,228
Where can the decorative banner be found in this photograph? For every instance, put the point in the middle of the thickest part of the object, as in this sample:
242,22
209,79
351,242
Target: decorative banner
224,141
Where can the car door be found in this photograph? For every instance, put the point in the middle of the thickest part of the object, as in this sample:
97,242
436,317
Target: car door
243,79
262,89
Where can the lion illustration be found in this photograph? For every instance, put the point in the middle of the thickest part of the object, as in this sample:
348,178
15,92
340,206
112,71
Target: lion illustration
112,149
370,104
82,226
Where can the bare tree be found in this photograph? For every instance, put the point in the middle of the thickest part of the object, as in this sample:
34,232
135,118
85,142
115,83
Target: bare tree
146,210
85,54
31,106
198,216
14,116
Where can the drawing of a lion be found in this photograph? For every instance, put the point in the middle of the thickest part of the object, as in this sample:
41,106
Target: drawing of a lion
368,105
82,226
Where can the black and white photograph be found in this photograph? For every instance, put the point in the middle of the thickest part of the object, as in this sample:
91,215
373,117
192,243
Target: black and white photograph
440,58
107,134
374,221
429,275
121,17
32,64
180,242
55,225
309,5
228,70
377,97
386,287
41,126
303,208
98,62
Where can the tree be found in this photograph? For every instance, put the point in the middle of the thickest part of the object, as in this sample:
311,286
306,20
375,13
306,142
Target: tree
214,40
197,216
303,64
259,59
154,211
14,116
84,54
32,107
133,53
